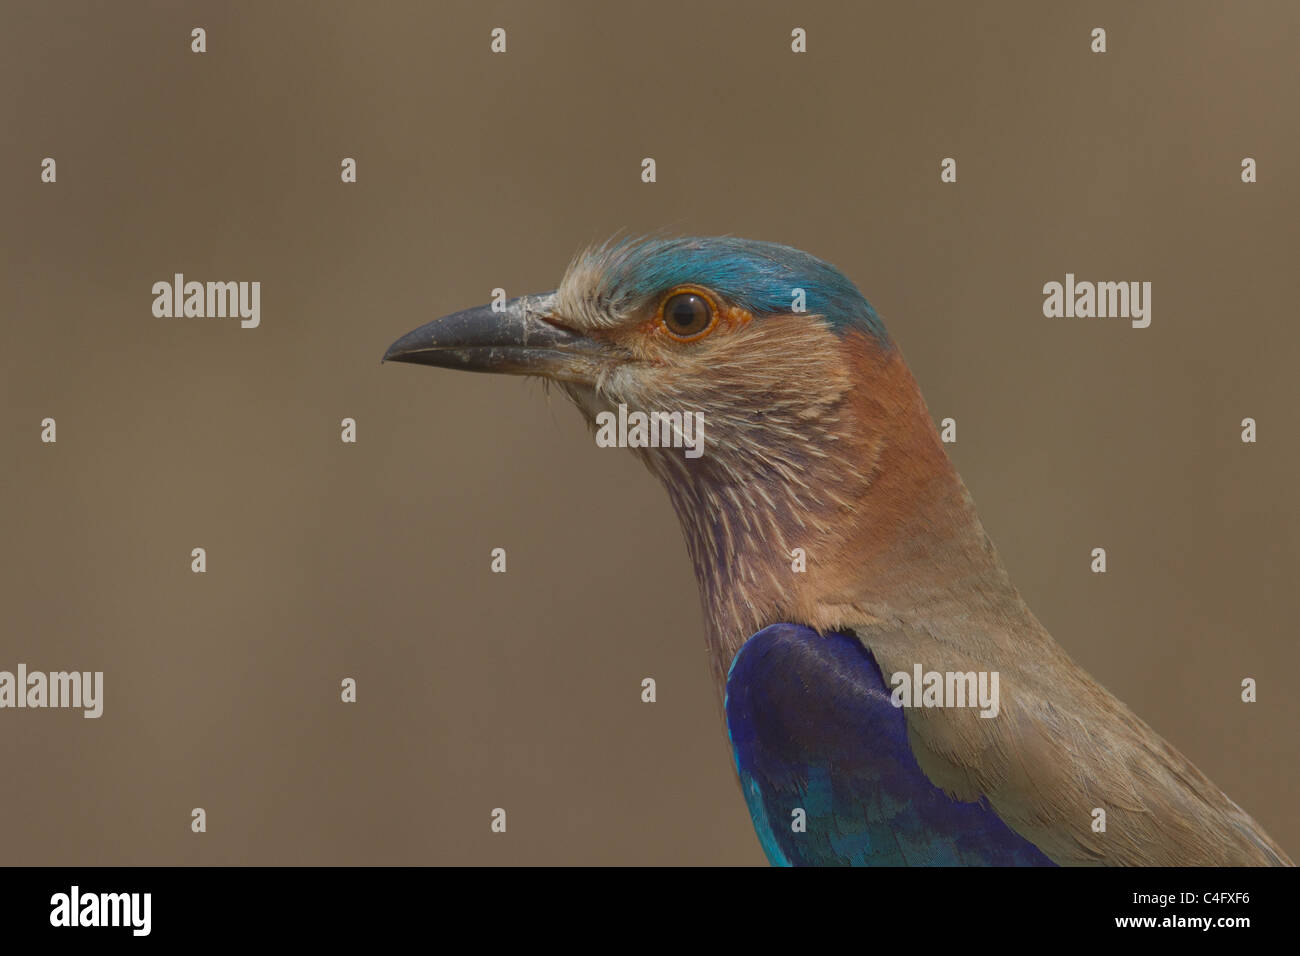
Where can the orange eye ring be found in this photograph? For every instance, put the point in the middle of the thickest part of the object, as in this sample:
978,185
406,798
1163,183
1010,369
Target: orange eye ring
687,314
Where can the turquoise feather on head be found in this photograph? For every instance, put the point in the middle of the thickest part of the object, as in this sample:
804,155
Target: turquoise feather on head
623,275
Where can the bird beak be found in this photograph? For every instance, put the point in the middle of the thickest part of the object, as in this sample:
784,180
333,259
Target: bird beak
521,337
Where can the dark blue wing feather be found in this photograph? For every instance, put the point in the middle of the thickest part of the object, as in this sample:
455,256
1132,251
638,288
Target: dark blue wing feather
813,728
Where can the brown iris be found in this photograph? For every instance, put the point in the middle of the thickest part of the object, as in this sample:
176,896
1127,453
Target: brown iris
687,315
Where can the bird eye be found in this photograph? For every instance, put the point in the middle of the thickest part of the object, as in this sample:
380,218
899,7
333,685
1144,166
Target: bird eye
687,315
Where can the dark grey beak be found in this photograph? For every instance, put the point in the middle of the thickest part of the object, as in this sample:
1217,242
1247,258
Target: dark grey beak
524,338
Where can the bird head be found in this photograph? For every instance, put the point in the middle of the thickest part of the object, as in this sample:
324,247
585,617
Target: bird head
806,405
749,334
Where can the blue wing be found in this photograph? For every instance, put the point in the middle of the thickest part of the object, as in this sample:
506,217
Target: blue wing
813,728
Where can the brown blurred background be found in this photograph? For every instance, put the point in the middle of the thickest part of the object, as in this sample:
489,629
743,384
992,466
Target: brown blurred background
522,691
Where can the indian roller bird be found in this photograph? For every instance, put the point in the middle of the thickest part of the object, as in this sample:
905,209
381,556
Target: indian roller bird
817,442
